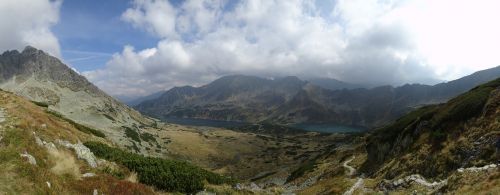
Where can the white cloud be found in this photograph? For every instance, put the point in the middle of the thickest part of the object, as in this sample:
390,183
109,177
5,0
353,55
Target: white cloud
156,16
456,37
374,41
28,22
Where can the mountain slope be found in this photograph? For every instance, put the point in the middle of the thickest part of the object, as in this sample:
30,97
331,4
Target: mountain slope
40,77
35,159
42,153
291,100
449,148
70,167
435,141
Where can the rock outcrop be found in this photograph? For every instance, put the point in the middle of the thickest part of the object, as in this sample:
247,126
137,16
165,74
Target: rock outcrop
418,179
479,169
81,151
29,157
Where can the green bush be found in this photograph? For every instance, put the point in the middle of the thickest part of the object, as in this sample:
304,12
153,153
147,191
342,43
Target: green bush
301,171
41,104
109,117
138,137
78,126
132,134
169,175
148,137
438,135
86,129
56,114
115,173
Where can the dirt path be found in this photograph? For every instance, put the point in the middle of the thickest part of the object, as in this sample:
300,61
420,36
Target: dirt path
352,170
2,119
358,184
348,167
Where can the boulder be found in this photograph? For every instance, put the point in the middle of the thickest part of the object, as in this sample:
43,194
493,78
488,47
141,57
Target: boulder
81,151
30,158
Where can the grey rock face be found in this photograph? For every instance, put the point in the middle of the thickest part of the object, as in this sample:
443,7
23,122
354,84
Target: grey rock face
82,152
40,77
44,67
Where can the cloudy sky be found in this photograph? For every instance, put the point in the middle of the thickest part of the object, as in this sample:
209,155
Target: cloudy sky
134,48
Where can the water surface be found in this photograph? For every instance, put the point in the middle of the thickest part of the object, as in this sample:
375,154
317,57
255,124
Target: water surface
329,128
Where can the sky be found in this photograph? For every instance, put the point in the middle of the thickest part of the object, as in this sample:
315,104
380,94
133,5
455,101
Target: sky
138,47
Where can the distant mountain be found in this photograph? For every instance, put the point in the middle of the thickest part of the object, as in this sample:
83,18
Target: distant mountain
135,101
291,100
450,89
333,84
40,77
238,97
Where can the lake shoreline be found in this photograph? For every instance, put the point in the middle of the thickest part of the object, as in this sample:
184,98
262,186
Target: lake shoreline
309,127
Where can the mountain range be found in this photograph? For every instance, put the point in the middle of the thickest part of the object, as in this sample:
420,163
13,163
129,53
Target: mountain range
290,100
60,134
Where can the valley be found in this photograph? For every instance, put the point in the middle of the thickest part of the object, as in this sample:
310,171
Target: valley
260,158
313,127
60,134
290,100
249,97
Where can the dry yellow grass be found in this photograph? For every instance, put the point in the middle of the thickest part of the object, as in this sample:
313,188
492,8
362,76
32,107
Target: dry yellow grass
64,163
57,170
242,155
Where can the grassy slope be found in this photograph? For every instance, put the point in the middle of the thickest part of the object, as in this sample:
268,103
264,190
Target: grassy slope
432,141
25,118
433,125
58,167
436,140
243,155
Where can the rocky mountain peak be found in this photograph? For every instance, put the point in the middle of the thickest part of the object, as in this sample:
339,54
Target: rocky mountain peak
32,62
10,52
31,50
41,77
26,52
